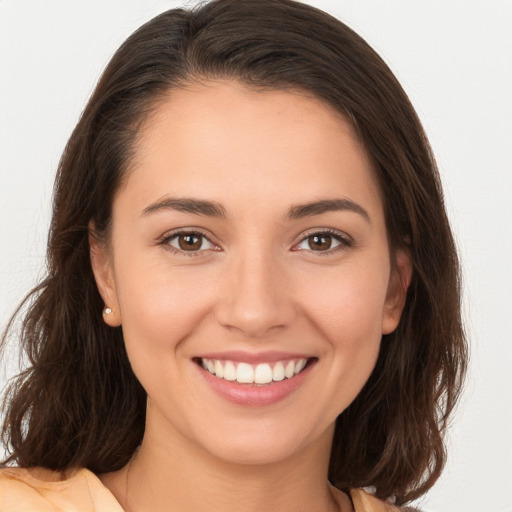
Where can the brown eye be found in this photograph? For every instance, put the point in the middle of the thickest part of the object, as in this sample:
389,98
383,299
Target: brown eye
324,242
320,242
190,242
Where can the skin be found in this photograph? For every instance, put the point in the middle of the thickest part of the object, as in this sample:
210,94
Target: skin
254,285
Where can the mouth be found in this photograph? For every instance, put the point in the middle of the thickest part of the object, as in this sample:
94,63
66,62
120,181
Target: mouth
261,374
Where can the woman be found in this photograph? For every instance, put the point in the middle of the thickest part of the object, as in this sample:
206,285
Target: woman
253,292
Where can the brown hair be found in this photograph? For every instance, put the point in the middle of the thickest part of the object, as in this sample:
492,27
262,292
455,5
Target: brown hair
79,404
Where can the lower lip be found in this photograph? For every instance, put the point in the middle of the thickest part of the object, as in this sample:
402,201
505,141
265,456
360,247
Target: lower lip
253,394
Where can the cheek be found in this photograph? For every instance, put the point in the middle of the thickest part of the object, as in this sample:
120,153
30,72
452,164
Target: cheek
160,307
160,315
347,309
347,303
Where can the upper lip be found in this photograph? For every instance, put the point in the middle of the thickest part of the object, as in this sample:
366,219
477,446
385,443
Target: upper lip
253,358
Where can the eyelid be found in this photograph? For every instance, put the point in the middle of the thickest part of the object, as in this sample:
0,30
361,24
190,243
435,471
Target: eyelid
345,240
169,235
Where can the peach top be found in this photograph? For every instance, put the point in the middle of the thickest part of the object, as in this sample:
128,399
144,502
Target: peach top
22,491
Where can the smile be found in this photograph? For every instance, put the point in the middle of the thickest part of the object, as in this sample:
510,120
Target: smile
255,380
262,373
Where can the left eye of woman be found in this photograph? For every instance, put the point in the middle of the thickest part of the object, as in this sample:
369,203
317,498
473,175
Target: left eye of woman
190,242
323,242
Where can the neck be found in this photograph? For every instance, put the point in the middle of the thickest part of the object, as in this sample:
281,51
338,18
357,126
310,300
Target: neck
170,472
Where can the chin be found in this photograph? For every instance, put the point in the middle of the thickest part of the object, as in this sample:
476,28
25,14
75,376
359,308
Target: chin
262,446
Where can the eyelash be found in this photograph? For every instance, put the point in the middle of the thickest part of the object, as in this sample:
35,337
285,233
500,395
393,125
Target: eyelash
166,239
344,242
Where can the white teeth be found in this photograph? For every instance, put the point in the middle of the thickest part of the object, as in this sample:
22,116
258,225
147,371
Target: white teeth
230,371
219,370
263,373
300,366
289,371
278,372
244,373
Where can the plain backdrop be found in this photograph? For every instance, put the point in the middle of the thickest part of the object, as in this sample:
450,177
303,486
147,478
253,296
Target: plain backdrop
454,59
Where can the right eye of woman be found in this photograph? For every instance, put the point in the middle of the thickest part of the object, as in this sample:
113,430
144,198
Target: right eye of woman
190,242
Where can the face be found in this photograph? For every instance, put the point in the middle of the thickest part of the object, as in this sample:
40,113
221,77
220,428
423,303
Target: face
250,270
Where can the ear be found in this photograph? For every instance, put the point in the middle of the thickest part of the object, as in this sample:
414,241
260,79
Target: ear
399,282
104,275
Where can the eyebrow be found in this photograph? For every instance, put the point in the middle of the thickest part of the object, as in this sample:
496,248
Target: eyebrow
188,205
215,209
325,206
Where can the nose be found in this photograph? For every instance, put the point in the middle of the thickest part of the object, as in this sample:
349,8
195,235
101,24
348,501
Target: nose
255,300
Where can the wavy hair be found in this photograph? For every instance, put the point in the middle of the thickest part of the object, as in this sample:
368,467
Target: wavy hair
78,403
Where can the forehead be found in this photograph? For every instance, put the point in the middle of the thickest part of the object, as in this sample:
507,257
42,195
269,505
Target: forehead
224,139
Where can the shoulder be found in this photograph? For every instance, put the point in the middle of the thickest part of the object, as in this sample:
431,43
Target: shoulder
42,490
